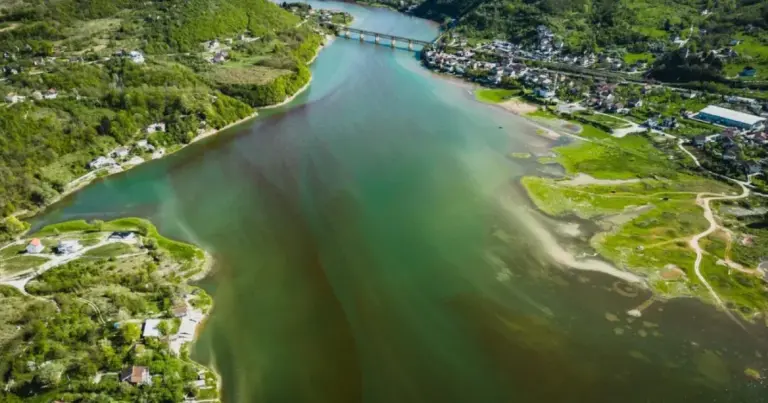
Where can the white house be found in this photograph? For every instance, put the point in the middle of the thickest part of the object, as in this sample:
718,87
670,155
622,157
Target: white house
67,246
158,154
51,94
545,93
126,236
155,127
136,56
151,328
101,162
120,152
144,145
14,98
35,246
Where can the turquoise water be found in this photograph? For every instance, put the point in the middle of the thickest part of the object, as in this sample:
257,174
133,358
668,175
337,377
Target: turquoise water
372,245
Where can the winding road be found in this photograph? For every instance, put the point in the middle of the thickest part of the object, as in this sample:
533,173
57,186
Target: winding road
704,202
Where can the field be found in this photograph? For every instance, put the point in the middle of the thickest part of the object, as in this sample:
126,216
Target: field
632,58
645,203
111,250
245,75
20,263
609,121
494,96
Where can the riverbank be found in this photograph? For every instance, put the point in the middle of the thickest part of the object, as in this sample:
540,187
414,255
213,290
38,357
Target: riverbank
85,180
328,40
639,191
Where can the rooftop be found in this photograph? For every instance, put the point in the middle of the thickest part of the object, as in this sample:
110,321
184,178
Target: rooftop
150,328
732,115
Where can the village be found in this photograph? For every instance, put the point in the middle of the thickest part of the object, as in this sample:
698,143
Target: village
26,264
728,132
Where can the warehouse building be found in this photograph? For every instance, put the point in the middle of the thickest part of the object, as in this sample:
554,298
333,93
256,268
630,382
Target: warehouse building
731,118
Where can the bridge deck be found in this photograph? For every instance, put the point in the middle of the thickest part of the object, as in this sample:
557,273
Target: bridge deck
380,34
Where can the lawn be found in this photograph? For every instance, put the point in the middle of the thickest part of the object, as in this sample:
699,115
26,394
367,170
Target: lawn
494,95
632,58
244,74
20,263
111,250
609,121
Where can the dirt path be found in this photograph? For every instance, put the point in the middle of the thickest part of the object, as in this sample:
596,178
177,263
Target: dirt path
704,202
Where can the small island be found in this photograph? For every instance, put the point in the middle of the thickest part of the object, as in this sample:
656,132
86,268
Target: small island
102,310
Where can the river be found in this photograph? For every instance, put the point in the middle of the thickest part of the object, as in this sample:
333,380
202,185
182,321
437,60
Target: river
372,245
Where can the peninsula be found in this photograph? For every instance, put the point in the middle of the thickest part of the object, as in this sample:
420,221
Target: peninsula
102,309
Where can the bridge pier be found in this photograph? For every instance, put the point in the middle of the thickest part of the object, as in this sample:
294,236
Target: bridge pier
362,37
410,45
392,43
377,39
346,33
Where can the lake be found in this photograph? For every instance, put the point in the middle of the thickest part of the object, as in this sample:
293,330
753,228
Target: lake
372,244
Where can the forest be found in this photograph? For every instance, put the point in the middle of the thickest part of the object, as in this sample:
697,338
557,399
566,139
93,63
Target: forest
55,345
105,100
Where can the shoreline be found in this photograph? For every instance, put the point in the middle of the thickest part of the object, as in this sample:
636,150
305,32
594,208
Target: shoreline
329,40
80,182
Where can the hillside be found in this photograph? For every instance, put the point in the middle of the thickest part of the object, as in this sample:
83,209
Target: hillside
85,78
737,30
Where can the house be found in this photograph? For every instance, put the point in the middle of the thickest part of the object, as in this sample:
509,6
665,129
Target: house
136,56
37,96
732,118
151,328
220,57
101,162
67,246
136,375
699,141
35,246
120,152
122,236
51,94
144,145
752,168
180,310
213,45
670,123
14,98
748,72
635,103
155,127
545,93
730,154
159,153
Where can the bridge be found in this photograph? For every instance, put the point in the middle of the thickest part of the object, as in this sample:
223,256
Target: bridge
347,32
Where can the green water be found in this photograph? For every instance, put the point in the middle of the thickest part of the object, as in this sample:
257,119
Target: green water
372,245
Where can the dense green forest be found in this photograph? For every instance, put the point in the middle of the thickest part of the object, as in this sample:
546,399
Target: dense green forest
105,100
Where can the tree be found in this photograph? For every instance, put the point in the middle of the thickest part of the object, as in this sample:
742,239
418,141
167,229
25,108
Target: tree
164,328
130,333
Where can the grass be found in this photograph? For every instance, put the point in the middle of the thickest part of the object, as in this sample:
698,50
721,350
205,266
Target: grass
494,95
21,263
613,123
111,250
176,249
245,75
632,58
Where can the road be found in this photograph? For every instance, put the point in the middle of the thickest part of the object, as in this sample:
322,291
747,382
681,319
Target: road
704,202
19,281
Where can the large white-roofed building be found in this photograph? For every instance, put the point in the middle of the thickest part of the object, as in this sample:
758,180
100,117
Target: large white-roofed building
731,118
